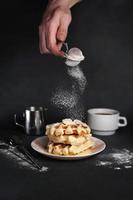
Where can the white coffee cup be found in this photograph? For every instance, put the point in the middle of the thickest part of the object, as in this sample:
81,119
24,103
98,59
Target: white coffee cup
105,121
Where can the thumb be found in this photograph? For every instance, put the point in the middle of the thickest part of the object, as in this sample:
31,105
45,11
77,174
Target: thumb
62,30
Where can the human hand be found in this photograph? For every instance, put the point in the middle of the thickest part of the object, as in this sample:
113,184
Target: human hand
54,28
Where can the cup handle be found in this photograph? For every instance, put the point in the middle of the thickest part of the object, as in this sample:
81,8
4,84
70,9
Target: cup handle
15,119
124,121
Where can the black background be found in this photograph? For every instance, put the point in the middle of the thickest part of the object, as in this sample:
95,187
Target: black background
104,31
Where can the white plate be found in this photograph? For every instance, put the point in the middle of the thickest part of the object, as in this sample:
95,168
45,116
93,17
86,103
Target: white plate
40,145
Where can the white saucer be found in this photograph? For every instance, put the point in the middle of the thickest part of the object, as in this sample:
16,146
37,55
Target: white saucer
40,145
103,133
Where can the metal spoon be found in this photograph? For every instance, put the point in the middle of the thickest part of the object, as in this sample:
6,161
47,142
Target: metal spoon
23,150
6,147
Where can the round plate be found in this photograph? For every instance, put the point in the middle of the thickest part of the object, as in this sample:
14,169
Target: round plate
40,145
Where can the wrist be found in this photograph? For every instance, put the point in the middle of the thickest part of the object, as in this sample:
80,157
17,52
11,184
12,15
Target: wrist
63,3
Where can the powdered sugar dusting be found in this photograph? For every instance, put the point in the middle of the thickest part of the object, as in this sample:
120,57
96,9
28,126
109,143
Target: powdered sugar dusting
117,159
13,154
77,74
123,156
64,99
69,101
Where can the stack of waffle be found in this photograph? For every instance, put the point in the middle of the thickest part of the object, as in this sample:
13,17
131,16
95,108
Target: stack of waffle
68,137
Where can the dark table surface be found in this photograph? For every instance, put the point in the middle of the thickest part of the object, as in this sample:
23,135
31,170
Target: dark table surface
104,31
80,179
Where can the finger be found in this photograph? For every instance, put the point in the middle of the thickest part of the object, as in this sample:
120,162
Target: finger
60,44
63,29
51,40
42,41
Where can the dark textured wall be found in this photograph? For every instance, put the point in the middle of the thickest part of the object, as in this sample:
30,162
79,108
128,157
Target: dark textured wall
102,29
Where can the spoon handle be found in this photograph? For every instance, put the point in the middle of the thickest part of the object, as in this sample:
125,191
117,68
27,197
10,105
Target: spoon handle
29,156
20,157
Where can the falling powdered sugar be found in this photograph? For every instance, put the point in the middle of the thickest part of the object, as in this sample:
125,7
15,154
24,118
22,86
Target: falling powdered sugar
64,99
77,74
117,159
69,101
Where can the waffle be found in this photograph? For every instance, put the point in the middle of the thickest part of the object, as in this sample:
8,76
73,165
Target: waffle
62,149
68,127
68,137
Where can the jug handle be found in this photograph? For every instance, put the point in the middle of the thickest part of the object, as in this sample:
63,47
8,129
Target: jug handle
15,119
